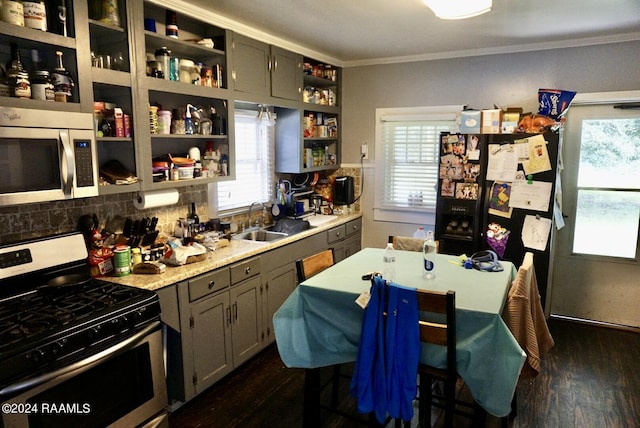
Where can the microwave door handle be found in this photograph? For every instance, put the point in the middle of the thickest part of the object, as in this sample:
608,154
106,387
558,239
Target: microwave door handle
68,161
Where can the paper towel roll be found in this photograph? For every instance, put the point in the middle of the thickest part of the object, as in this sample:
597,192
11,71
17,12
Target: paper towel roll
156,198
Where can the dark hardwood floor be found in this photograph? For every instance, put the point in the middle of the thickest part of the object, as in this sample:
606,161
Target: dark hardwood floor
591,378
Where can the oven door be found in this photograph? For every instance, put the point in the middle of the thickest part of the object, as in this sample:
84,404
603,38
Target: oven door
123,386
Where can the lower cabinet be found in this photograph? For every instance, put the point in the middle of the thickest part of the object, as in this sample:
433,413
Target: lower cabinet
280,283
211,341
246,319
216,321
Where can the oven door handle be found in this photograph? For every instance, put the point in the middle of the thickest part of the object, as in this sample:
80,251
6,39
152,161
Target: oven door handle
82,365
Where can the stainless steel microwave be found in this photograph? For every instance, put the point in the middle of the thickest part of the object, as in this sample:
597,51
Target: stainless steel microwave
46,156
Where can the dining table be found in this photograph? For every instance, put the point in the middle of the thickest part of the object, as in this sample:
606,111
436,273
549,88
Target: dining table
320,323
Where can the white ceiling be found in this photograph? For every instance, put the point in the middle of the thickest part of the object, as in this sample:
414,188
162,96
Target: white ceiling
354,32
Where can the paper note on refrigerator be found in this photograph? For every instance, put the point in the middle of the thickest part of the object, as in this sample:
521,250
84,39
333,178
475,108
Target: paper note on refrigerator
503,162
538,156
535,232
533,196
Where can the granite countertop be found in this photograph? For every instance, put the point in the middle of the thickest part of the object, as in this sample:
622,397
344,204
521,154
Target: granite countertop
237,250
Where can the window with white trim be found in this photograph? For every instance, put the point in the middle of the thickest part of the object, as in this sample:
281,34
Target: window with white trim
407,155
254,156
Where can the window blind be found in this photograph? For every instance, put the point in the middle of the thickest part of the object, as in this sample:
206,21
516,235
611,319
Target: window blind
254,153
410,161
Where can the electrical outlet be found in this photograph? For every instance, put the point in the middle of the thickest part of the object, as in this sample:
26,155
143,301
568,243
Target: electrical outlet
364,151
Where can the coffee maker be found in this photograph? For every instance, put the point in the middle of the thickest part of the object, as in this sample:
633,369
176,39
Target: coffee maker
343,190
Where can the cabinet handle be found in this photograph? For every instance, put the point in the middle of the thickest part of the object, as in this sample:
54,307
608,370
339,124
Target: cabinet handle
338,234
275,65
235,311
228,317
247,271
212,284
269,64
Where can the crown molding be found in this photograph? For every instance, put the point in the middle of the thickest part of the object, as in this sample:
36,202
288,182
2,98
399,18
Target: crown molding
531,47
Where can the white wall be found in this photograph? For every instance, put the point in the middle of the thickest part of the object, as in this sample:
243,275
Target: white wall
508,80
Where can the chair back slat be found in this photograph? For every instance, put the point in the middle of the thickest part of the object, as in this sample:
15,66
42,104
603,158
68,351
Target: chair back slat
309,266
433,333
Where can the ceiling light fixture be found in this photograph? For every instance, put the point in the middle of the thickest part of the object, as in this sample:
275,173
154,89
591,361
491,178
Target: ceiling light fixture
458,9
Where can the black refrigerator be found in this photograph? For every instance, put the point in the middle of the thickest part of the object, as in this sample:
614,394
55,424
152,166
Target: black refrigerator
496,192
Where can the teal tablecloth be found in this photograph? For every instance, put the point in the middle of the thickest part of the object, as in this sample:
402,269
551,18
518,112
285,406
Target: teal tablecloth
320,323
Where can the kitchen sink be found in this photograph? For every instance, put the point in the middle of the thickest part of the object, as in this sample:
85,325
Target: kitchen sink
283,228
260,235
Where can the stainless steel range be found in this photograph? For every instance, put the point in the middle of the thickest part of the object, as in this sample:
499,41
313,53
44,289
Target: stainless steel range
75,350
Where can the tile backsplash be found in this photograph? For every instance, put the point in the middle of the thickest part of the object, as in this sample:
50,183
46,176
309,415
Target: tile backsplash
21,222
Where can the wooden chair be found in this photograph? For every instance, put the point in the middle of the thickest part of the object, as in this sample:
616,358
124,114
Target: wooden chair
408,243
443,333
307,267
311,265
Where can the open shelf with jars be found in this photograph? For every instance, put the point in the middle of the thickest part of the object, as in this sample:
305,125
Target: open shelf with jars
37,50
306,141
321,86
183,73
114,102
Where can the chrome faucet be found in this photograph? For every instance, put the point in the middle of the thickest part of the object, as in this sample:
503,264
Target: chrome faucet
258,222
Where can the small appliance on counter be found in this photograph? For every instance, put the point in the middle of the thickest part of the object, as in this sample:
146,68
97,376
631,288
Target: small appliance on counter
343,191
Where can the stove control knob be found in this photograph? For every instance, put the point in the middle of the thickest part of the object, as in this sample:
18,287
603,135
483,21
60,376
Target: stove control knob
56,350
135,317
37,356
121,322
93,334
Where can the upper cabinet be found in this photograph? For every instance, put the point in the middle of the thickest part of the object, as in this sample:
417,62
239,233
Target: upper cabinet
184,97
37,43
262,70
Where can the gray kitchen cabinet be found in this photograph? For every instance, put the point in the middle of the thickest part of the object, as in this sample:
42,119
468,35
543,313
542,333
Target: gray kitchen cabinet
246,309
265,70
280,283
199,348
175,95
301,146
111,44
246,319
212,341
345,239
76,57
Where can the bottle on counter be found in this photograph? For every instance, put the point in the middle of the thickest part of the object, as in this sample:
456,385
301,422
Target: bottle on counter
17,76
389,262
192,214
429,253
62,81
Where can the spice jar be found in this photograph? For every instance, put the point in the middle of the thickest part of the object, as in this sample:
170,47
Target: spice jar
41,86
164,122
153,119
186,68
